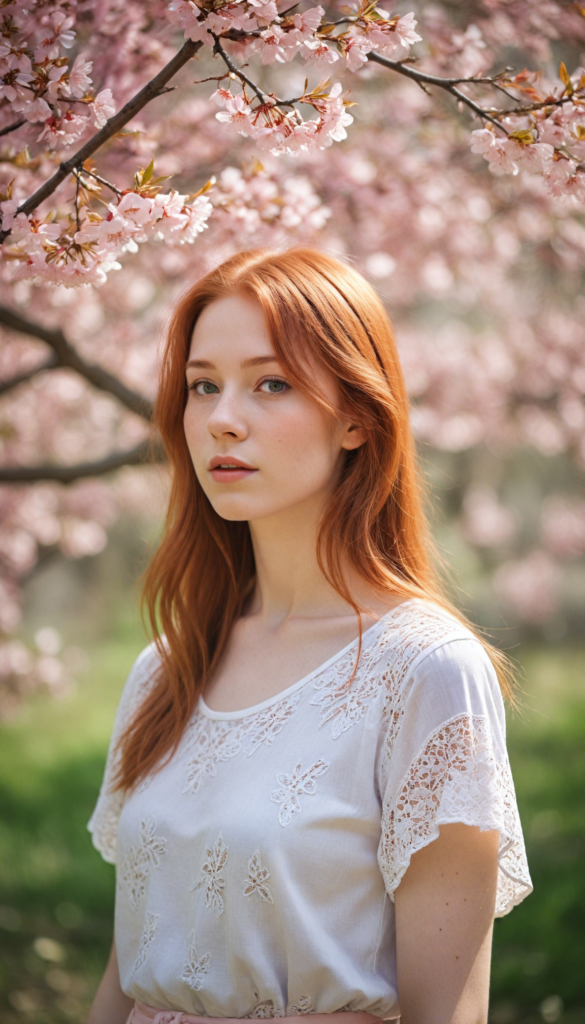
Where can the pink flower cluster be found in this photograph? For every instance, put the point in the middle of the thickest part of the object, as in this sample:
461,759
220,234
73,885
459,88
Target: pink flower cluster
57,253
257,199
549,144
38,84
278,39
281,132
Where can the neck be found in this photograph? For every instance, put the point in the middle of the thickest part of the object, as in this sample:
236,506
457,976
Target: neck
289,582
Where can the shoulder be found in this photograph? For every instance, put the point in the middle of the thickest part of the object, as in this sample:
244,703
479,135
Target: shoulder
141,677
416,629
430,656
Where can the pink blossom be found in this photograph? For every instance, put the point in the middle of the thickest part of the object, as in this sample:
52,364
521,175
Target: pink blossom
501,157
198,213
272,48
307,22
551,132
483,142
265,11
35,110
559,175
237,114
405,28
135,208
221,96
231,16
79,80
63,130
318,52
186,14
356,52
60,34
58,84
103,107
536,157
269,137
8,209
17,85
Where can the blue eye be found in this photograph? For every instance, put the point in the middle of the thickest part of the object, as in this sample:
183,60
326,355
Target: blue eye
203,387
274,386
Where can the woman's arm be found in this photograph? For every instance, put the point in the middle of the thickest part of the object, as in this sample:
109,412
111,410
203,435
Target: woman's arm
444,920
110,1004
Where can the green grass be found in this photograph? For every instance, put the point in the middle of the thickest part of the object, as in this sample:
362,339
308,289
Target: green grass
54,886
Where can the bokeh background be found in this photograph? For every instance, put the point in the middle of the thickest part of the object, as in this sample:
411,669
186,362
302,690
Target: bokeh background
483,277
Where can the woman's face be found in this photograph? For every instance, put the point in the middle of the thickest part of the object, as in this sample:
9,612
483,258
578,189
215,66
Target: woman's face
258,444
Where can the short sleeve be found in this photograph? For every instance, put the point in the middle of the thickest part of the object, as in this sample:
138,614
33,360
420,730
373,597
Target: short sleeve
103,823
444,760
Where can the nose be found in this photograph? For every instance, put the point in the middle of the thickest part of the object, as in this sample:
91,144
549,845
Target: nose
226,418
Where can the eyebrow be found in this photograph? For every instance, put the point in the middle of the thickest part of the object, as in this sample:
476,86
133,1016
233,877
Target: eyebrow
205,364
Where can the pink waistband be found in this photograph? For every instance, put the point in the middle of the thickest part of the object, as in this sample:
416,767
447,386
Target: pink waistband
143,1014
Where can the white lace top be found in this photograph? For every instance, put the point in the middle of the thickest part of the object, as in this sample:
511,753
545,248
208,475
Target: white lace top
256,871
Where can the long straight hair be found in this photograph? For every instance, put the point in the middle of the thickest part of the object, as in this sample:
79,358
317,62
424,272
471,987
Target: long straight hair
318,311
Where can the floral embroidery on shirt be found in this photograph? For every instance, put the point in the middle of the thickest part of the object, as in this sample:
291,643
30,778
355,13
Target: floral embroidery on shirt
140,859
146,939
266,725
292,786
343,700
304,1005
257,878
217,741
265,1011
196,967
213,879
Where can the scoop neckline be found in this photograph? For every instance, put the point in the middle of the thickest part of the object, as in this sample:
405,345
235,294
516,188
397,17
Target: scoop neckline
283,694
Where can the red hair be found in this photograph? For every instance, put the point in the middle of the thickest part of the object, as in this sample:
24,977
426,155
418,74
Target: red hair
201,577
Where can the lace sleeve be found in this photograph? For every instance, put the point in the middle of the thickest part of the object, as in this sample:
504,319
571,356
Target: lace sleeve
103,823
448,763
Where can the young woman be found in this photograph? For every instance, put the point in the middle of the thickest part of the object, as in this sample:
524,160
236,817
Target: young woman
307,795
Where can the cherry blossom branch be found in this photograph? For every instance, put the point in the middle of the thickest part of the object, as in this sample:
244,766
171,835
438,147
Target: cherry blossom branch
102,181
113,125
145,452
218,48
66,356
21,378
448,84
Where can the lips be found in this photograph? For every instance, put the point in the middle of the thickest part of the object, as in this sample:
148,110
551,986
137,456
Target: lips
228,462
225,469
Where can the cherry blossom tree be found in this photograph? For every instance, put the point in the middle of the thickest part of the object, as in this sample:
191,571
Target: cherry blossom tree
142,143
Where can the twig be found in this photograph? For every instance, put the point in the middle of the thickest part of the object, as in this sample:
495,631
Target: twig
423,79
67,356
102,181
12,127
262,96
144,453
77,200
150,91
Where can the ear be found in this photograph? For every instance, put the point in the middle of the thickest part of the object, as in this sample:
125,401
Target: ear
354,437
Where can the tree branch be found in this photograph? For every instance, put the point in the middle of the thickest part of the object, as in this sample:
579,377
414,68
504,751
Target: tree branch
12,127
144,453
447,84
262,96
152,89
67,356
49,364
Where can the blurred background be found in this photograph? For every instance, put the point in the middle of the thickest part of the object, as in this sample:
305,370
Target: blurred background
483,277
